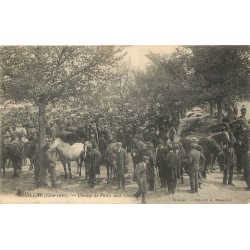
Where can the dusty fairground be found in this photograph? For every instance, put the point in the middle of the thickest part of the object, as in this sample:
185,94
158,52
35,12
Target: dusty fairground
75,190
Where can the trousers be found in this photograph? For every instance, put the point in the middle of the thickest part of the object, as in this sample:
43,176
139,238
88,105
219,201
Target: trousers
121,180
162,175
194,177
52,171
171,183
228,174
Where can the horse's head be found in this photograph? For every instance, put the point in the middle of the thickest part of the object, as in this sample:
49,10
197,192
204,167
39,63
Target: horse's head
54,143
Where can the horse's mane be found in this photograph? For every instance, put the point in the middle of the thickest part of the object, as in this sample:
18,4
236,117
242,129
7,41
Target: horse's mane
215,145
62,144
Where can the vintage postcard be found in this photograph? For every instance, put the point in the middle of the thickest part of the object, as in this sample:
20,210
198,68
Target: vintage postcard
125,124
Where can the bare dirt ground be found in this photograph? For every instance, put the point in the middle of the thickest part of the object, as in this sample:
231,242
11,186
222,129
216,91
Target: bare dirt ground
76,190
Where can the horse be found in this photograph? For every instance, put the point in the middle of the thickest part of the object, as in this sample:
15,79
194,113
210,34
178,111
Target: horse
68,153
14,153
221,138
69,137
211,151
4,157
237,127
30,151
110,160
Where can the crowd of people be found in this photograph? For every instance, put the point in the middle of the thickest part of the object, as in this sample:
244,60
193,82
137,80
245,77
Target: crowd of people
151,138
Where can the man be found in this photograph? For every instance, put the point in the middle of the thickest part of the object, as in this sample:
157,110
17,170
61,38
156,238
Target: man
243,111
6,139
202,166
121,165
102,143
153,137
181,153
230,163
141,179
161,162
93,160
195,159
239,151
50,164
173,169
150,153
172,133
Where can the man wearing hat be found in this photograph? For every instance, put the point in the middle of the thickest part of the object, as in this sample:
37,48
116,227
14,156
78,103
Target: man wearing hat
150,152
161,162
195,158
93,161
230,164
141,179
6,139
173,168
121,165
198,147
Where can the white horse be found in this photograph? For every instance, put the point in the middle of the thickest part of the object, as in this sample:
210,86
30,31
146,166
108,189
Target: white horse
68,153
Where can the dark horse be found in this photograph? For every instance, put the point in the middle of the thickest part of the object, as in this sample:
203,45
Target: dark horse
14,153
110,161
211,151
4,157
30,151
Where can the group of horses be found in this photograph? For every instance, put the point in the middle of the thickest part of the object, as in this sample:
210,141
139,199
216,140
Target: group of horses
65,152
214,137
69,146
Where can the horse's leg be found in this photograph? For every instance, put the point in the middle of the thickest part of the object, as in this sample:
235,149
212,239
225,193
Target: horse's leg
4,165
77,162
86,172
204,174
19,164
213,163
16,167
108,179
65,170
80,166
9,163
31,166
69,168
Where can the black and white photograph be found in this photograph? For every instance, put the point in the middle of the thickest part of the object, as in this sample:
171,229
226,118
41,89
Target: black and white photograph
125,124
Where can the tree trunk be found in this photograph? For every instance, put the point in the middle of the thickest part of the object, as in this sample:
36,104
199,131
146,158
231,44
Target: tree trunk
219,111
41,143
211,106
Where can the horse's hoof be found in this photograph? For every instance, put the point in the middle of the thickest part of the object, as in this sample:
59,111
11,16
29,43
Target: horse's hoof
65,176
15,175
70,177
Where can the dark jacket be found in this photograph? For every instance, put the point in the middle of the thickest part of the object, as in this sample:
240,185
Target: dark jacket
93,161
49,158
195,159
173,165
121,159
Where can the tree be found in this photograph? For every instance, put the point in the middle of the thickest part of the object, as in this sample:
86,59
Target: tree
41,74
165,81
121,84
220,73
